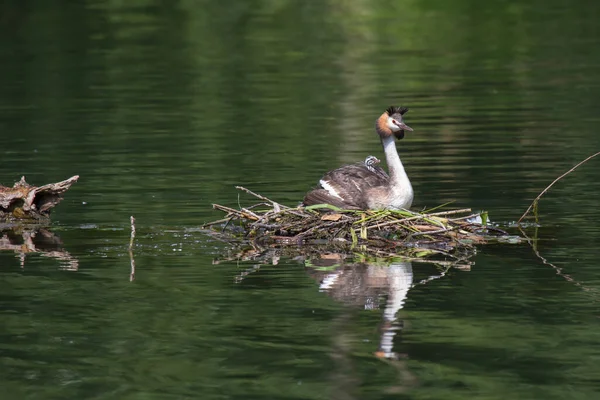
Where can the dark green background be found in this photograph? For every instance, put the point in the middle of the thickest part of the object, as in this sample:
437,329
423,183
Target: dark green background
163,106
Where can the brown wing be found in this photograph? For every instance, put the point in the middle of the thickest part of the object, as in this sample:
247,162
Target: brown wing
381,172
322,196
347,186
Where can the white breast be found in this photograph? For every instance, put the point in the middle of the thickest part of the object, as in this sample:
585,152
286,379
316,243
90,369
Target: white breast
401,197
391,198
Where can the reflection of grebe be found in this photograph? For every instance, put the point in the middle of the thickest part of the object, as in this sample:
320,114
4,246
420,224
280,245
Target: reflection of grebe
365,285
400,280
365,185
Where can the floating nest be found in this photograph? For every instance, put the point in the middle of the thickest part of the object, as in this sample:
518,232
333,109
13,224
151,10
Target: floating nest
266,223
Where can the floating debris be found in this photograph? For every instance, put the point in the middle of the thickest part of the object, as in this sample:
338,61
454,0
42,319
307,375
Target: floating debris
24,202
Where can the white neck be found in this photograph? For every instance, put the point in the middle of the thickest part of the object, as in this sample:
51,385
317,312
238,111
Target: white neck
400,187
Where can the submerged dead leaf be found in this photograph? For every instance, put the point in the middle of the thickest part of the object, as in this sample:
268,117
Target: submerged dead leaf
331,217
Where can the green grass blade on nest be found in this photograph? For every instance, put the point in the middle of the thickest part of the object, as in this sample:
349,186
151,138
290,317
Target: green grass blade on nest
404,213
374,216
484,218
435,221
363,229
354,237
322,206
427,211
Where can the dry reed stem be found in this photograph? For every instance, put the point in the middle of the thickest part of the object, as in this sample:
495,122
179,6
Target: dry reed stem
275,204
131,259
535,201
219,221
247,214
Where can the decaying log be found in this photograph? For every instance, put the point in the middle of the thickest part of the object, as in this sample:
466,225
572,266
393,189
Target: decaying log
26,202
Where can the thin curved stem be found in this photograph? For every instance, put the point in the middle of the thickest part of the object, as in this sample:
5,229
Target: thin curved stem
535,201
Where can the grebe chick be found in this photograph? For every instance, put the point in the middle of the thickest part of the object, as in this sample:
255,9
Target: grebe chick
365,185
371,162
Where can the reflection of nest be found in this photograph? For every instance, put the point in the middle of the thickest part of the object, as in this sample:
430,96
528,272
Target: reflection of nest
329,256
39,241
350,277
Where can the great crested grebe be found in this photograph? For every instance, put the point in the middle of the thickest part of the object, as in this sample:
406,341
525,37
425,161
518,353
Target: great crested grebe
366,185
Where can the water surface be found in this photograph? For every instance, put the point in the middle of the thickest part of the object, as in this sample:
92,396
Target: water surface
162,108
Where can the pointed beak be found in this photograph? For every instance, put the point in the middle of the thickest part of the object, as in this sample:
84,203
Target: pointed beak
403,126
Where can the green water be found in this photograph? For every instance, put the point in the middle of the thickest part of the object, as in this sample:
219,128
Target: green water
163,107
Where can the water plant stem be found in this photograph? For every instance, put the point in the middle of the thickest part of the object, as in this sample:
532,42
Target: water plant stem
131,258
534,204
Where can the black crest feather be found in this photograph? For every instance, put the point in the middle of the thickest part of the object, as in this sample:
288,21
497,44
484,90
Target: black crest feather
396,110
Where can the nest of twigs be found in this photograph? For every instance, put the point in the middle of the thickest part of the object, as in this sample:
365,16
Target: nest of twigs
267,222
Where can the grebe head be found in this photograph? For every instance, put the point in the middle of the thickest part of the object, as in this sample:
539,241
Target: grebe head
391,122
